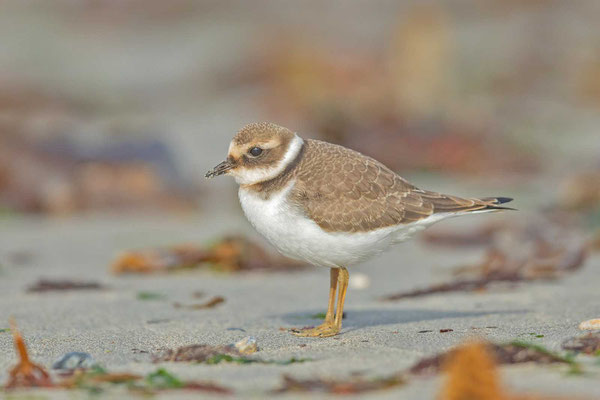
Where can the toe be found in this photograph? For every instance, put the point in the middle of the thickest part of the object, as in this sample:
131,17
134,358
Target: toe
319,331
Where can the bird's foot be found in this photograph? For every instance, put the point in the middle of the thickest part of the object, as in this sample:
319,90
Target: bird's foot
326,329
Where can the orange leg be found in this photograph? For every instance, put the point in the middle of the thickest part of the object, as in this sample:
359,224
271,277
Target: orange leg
332,324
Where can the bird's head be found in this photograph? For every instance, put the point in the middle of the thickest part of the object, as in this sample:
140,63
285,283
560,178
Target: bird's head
259,152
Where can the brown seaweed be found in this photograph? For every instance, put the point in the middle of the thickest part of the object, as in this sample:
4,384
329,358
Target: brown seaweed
472,373
215,301
26,373
48,285
353,385
230,254
587,344
511,353
539,250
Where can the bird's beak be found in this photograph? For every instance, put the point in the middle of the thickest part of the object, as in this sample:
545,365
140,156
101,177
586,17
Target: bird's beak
220,169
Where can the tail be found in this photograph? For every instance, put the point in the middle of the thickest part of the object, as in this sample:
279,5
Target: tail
442,203
493,203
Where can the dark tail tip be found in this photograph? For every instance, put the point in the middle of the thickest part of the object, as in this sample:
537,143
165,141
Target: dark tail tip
502,200
496,201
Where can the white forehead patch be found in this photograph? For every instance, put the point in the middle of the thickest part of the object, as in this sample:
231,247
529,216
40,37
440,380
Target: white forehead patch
251,176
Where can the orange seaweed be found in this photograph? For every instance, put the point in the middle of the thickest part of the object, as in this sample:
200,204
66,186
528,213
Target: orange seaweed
472,375
25,373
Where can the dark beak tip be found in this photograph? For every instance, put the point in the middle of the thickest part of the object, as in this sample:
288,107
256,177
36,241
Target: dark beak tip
211,174
220,169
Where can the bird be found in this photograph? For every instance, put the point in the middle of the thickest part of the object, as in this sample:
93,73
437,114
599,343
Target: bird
330,206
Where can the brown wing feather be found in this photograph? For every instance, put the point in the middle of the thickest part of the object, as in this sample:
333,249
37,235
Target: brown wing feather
351,192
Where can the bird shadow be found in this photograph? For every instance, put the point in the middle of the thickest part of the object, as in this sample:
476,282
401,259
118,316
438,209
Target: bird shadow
356,319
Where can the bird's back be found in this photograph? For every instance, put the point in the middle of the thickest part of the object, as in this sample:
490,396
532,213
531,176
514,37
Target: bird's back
345,191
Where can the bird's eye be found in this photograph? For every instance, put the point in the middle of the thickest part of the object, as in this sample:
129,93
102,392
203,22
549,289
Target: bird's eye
255,151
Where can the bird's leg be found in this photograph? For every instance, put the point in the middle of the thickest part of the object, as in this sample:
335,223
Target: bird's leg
331,326
333,281
329,317
343,279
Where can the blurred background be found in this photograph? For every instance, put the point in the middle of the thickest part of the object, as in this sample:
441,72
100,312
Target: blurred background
112,111
120,107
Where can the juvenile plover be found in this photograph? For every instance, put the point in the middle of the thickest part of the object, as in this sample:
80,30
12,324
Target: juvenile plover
330,206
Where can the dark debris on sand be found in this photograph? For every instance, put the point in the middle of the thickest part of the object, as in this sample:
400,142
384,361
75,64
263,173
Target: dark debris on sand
195,353
532,251
27,374
587,344
230,254
49,285
353,385
213,302
511,353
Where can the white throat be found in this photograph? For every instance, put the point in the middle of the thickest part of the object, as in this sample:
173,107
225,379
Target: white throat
256,175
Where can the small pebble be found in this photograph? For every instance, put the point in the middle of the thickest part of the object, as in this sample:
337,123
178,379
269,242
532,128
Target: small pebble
74,360
590,325
247,345
359,281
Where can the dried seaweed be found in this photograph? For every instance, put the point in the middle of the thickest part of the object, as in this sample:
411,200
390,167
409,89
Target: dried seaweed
538,250
353,385
95,377
233,353
195,353
26,373
472,373
512,353
215,301
230,254
461,285
47,285
59,175
95,380
587,344
207,387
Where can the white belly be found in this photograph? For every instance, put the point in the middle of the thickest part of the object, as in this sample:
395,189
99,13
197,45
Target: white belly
298,237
